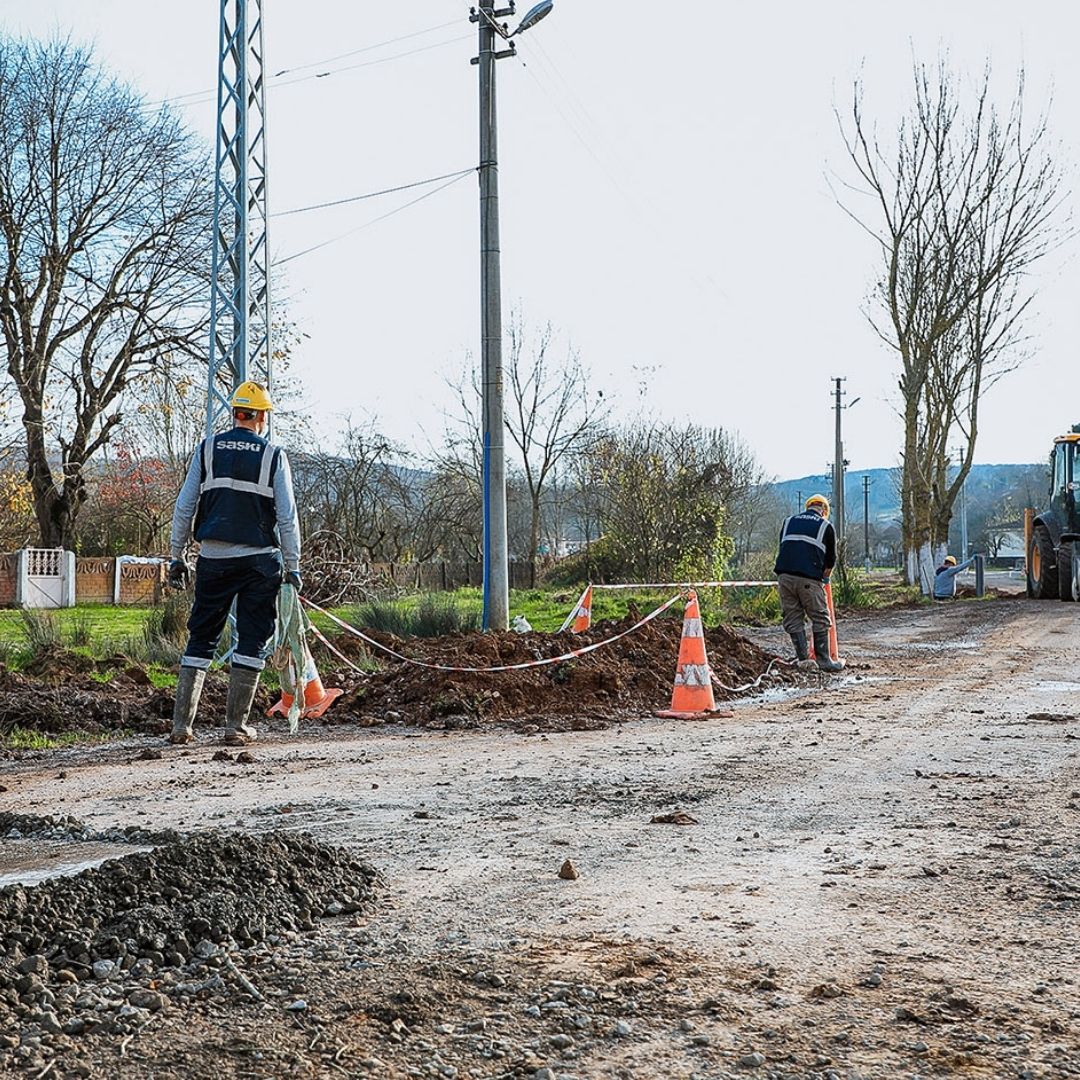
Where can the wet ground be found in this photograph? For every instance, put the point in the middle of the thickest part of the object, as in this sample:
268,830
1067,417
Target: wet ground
883,879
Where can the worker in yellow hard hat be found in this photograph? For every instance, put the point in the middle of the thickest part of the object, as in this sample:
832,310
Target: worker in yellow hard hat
806,558
945,577
238,500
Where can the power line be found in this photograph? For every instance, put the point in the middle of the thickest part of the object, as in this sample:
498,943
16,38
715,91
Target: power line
374,194
199,97
366,48
373,221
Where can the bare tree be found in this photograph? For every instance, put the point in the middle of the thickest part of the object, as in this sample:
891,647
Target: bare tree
104,213
961,204
550,413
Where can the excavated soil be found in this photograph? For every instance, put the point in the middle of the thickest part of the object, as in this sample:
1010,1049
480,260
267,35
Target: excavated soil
628,677
61,691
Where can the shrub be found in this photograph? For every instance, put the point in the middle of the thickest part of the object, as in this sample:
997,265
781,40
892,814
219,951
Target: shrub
431,615
41,629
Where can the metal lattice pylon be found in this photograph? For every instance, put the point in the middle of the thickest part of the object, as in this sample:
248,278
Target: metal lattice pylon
240,312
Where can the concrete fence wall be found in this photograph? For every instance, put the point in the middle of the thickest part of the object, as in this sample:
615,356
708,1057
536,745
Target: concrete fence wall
123,580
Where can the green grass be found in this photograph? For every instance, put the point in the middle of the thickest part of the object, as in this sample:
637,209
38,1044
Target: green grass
88,625
19,738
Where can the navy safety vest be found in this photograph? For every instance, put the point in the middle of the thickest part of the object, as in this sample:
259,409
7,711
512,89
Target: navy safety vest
236,490
804,544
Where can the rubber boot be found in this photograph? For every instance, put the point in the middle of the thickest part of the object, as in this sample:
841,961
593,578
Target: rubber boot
188,691
243,682
825,662
798,639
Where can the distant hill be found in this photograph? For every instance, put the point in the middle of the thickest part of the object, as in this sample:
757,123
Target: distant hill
984,482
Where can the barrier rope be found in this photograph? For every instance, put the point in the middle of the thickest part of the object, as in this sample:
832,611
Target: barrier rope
758,681
482,670
685,585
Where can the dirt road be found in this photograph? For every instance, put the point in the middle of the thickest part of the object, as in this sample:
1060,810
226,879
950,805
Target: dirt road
883,881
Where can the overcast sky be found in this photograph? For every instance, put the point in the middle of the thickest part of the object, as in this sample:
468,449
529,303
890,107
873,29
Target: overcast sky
665,201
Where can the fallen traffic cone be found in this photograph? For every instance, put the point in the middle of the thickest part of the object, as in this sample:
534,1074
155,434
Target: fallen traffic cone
580,618
317,699
692,696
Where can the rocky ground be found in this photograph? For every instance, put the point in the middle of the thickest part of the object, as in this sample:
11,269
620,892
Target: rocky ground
877,876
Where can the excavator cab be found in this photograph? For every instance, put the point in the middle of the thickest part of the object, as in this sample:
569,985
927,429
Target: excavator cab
1053,555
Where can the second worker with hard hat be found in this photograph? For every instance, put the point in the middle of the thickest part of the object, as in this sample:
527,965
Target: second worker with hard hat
238,500
804,563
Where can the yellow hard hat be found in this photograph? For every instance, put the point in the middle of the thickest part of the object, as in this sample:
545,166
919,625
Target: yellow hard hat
819,500
950,560
251,395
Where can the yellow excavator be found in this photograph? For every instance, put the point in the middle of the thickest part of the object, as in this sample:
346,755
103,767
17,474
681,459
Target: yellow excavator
1053,534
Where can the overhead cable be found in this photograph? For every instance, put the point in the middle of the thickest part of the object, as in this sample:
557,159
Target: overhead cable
373,221
374,194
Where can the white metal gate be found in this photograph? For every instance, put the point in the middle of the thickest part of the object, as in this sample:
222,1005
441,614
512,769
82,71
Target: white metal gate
45,578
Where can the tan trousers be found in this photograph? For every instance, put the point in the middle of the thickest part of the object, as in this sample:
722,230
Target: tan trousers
802,598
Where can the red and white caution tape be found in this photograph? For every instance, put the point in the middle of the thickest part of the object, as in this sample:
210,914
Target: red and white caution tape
482,670
686,585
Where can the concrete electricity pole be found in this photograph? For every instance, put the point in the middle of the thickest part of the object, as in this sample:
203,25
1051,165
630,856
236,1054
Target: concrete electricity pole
496,592
866,519
838,468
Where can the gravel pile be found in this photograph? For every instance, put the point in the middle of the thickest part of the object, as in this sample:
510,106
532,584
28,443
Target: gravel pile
101,951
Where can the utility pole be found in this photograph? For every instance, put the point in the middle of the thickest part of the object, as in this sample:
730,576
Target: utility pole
496,591
963,510
866,518
240,310
496,613
798,502
838,467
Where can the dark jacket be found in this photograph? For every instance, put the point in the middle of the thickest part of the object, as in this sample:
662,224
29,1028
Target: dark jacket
807,546
236,489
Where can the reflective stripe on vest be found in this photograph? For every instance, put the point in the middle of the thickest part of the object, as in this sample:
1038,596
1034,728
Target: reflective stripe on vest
260,487
817,541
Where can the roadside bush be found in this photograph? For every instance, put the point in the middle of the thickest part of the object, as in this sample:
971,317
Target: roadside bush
162,638
41,629
431,615
850,588
80,632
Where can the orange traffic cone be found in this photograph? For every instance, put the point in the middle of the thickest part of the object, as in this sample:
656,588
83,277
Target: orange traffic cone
692,696
317,699
834,644
580,618
583,615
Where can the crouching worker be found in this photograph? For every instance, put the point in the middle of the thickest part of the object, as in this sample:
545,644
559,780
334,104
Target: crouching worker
945,577
238,495
804,563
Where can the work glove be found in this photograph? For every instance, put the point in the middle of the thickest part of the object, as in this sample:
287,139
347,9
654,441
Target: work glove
179,574
293,578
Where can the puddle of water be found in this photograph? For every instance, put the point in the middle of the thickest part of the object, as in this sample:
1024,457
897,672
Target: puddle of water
959,643
30,862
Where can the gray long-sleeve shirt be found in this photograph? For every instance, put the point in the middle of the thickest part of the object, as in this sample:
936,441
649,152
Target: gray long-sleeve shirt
288,525
945,579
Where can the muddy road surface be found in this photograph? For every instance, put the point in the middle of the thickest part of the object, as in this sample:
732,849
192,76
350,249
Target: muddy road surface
881,879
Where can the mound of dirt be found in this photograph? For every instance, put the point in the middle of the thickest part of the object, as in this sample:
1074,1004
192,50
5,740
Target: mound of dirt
52,698
186,897
631,676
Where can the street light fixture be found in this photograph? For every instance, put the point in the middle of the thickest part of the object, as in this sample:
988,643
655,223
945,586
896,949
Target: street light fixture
496,591
534,15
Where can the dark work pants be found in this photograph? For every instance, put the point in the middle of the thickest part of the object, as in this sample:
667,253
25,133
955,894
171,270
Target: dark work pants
253,582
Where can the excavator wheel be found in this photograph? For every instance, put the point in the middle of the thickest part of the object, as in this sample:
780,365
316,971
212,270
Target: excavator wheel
1042,565
1066,572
